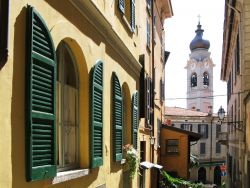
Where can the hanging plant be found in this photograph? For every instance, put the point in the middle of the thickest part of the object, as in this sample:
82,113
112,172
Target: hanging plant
132,159
172,182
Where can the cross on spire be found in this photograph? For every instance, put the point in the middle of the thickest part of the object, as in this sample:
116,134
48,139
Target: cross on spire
199,18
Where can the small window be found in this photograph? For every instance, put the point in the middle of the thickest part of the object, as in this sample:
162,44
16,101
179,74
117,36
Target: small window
205,79
194,80
202,148
187,127
203,130
218,147
172,146
162,90
149,6
163,46
154,22
218,130
127,8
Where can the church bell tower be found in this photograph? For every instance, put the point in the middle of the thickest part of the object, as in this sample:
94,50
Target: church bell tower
200,74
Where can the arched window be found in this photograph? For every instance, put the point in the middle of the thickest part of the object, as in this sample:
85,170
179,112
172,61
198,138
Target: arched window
194,80
217,175
205,79
67,109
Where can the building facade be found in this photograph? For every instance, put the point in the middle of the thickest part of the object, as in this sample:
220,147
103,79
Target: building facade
235,71
71,94
210,153
175,150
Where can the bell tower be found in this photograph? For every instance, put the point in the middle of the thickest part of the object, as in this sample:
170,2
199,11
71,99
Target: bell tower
200,74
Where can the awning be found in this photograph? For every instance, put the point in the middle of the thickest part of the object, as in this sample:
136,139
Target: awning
148,165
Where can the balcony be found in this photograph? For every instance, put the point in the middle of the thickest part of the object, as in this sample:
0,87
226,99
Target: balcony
223,138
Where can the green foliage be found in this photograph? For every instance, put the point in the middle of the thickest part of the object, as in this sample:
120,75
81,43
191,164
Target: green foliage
171,182
132,159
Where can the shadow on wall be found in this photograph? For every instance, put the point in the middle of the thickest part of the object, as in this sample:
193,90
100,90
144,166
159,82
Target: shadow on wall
18,102
75,17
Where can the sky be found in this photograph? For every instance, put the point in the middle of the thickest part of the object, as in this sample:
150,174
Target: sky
179,32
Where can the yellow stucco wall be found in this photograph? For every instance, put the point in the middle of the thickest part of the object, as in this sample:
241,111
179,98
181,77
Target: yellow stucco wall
179,162
88,45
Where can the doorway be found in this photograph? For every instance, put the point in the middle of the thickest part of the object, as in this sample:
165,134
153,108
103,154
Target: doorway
202,175
217,175
142,155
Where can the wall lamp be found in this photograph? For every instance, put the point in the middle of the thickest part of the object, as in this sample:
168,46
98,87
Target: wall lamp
152,140
221,115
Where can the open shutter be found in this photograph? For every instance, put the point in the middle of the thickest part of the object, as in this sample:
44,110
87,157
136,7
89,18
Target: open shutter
143,84
40,99
133,15
117,119
122,6
96,119
135,119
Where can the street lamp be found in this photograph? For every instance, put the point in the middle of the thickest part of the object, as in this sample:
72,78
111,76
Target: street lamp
221,114
152,140
238,124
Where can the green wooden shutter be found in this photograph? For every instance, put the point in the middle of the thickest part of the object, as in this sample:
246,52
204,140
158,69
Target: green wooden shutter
133,15
117,118
40,99
135,119
96,125
121,6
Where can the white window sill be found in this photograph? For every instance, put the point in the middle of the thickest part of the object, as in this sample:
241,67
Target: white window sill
69,175
127,23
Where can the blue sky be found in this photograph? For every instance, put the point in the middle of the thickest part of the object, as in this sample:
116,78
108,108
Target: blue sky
179,32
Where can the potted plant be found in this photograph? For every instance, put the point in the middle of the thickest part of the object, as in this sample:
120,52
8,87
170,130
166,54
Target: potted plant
132,159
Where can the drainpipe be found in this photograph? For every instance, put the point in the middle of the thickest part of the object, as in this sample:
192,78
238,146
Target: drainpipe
153,88
153,76
211,142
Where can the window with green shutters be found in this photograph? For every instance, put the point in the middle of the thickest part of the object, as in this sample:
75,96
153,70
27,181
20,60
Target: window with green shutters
96,115
133,15
135,119
127,9
121,5
117,118
40,99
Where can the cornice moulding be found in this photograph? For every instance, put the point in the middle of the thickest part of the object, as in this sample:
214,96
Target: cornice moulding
97,19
